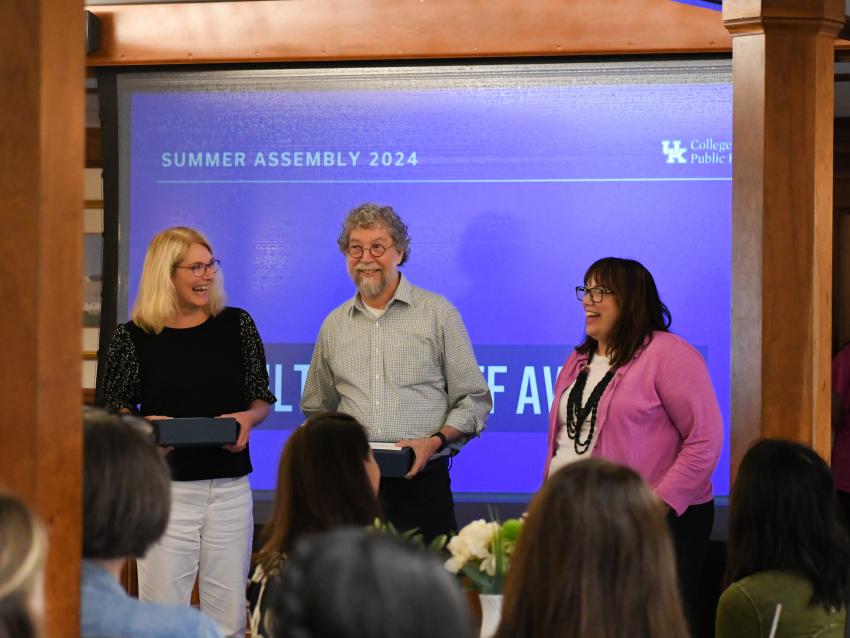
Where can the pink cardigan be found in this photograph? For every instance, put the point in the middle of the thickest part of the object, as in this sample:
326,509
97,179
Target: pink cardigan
658,416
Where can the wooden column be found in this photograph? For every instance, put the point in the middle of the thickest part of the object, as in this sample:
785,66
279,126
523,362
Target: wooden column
41,197
782,219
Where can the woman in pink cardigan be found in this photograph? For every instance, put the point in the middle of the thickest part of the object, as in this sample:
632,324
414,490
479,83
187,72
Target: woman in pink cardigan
638,395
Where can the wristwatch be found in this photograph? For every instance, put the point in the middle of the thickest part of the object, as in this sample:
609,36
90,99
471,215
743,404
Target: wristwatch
443,440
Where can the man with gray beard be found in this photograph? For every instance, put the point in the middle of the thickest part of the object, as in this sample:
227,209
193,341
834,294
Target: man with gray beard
398,359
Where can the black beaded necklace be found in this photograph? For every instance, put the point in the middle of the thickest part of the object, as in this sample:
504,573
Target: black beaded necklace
576,414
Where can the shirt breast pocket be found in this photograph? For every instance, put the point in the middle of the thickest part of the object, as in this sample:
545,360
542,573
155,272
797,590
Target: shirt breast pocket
415,361
349,360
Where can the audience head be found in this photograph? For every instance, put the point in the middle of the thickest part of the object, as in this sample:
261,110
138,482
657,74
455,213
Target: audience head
158,298
374,216
327,478
784,515
641,311
23,546
126,487
350,583
594,560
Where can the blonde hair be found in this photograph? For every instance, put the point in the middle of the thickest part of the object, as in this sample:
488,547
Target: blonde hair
156,301
23,545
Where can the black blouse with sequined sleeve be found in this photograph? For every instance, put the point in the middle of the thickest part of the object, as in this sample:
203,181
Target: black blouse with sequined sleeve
218,367
256,375
120,380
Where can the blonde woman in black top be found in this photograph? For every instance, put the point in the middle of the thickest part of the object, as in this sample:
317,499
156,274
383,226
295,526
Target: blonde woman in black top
184,354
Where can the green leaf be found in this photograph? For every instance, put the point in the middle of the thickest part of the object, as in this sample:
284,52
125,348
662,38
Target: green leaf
481,581
411,535
438,543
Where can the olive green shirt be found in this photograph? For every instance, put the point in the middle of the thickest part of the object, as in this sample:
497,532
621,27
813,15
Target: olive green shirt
747,607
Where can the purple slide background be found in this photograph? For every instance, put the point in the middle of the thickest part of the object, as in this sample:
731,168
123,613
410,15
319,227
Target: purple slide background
515,191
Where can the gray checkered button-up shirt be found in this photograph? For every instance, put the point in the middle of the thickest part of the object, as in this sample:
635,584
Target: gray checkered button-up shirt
403,375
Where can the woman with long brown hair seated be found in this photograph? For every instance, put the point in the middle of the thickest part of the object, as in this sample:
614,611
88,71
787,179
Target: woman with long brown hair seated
594,560
787,546
327,478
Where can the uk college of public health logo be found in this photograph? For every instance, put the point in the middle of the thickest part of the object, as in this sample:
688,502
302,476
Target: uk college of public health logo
674,151
697,151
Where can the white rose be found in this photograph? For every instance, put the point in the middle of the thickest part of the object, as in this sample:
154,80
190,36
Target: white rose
458,548
488,565
455,564
478,535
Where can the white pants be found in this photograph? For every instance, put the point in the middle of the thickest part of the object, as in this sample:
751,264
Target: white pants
209,533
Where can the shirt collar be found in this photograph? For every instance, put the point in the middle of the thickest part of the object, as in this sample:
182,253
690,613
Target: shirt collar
403,293
96,575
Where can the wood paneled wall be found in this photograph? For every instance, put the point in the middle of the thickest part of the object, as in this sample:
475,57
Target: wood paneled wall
277,30
41,193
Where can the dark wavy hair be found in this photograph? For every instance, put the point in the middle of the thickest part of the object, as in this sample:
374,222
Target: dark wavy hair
784,515
641,309
126,486
350,583
594,560
321,484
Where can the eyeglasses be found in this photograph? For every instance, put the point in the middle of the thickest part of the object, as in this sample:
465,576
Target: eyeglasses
355,251
199,268
596,293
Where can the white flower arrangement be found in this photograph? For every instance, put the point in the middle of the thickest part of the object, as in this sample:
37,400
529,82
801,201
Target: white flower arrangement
481,551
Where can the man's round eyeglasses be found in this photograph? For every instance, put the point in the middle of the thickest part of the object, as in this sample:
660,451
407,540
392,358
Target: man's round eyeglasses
355,251
199,268
596,293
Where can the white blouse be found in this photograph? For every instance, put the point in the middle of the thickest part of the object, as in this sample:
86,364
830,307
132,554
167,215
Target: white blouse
565,453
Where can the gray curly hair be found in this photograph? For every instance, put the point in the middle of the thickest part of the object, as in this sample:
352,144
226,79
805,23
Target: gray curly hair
370,215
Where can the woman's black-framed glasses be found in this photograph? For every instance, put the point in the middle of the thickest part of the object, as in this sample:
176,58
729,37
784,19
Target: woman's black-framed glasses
199,268
596,293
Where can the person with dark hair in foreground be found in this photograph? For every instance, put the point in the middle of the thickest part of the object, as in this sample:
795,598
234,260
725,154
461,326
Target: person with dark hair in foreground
23,548
126,503
787,545
327,478
593,560
350,583
636,394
